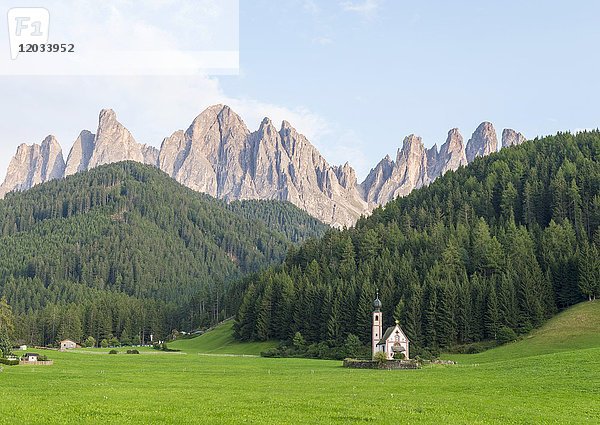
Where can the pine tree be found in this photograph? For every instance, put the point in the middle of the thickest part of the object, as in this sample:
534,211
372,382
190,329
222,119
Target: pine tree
411,321
492,313
347,259
263,321
446,321
430,314
589,271
6,317
464,310
245,319
507,302
363,314
399,310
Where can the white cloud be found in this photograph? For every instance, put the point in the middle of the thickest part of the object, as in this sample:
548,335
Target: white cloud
311,7
150,107
322,40
366,8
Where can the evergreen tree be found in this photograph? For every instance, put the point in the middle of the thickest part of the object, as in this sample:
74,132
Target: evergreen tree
589,271
492,313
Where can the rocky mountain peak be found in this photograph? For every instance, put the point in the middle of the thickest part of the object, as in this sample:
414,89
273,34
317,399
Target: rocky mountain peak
511,137
81,152
454,141
53,163
411,145
50,141
218,155
482,142
113,142
34,164
452,154
286,126
106,116
268,129
266,122
346,175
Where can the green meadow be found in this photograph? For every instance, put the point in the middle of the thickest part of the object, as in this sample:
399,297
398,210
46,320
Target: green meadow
220,341
551,376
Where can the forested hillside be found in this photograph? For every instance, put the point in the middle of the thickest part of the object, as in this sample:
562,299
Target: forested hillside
507,241
125,251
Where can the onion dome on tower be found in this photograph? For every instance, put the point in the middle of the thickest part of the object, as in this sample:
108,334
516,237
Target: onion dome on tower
377,303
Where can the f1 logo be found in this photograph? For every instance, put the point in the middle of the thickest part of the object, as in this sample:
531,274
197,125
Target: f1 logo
27,25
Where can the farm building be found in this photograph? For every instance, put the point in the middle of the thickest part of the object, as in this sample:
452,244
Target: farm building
30,357
67,344
393,341
35,359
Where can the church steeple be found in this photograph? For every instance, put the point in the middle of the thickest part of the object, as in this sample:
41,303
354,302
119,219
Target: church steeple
377,303
377,328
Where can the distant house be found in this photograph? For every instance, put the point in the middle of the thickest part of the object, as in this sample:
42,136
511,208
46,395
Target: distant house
23,347
67,344
35,359
31,357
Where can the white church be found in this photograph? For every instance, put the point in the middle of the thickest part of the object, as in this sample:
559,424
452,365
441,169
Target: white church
394,339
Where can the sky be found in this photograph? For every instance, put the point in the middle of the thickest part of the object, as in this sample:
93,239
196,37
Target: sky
355,76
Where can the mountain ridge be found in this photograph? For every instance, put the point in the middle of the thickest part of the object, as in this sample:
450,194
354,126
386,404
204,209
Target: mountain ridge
127,234
220,156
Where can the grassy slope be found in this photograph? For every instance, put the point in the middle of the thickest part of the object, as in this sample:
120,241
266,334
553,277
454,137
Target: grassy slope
573,329
220,341
516,384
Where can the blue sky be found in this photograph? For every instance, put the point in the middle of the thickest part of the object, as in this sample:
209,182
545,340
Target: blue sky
356,76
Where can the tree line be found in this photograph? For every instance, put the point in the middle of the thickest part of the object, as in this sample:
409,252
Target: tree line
125,251
505,242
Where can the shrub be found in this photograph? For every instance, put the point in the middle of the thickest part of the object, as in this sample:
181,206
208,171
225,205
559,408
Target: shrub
526,328
298,341
163,347
90,342
425,354
133,352
113,352
5,344
9,362
506,334
271,352
43,358
399,356
380,357
352,346
104,343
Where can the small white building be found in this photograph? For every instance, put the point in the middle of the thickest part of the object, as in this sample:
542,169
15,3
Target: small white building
31,357
393,340
67,344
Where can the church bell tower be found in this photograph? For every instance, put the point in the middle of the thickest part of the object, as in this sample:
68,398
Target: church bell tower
377,328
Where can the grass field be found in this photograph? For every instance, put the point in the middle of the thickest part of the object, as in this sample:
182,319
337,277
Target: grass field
220,341
551,377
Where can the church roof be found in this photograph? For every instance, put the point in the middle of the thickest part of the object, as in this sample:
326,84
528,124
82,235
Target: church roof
388,333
